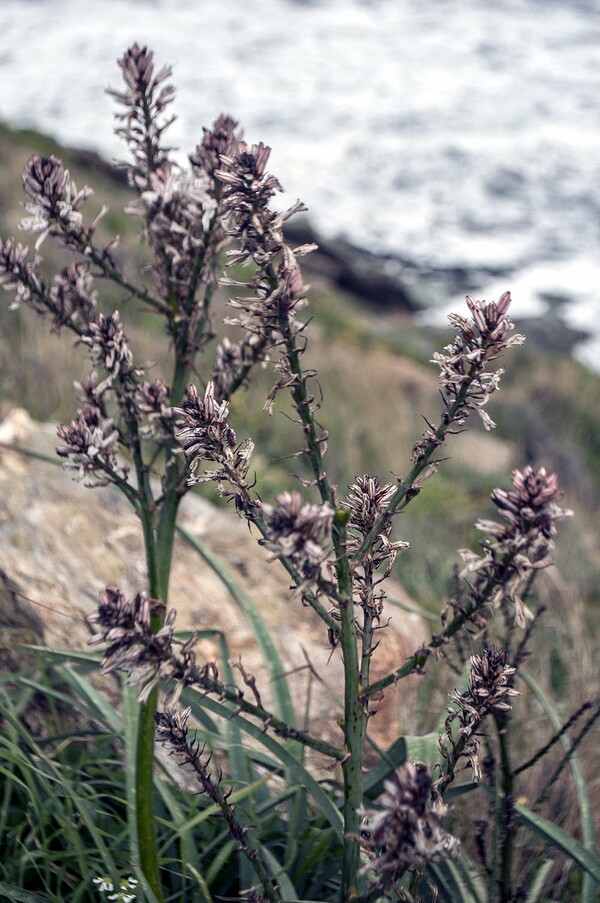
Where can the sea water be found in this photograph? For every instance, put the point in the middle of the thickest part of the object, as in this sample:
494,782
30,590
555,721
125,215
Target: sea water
450,133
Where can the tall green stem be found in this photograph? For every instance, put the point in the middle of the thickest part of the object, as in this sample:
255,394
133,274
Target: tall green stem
158,543
354,709
144,784
507,830
354,721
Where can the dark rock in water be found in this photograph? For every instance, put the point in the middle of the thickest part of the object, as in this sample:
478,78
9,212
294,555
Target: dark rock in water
551,333
387,283
89,159
352,269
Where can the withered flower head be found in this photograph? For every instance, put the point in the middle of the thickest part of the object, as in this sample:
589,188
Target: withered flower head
153,400
91,444
204,434
490,688
406,828
74,296
133,647
89,389
228,365
489,682
108,343
531,505
247,192
18,275
137,66
465,380
45,180
366,501
299,531
221,140
520,545
172,728
145,100
55,199
248,166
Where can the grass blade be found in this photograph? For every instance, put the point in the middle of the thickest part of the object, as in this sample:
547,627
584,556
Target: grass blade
281,691
50,788
405,749
588,892
87,661
303,777
20,896
188,852
455,885
242,772
288,891
130,737
557,837
539,881
99,707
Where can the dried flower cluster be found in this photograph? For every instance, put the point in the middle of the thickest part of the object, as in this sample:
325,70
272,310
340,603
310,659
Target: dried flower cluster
134,647
153,401
147,653
299,531
520,546
366,501
69,301
94,438
182,211
143,124
20,276
55,204
276,289
465,380
406,828
75,295
204,434
91,445
490,688
109,348
55,210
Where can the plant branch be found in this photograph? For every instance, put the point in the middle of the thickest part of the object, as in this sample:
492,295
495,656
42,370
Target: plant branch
200,678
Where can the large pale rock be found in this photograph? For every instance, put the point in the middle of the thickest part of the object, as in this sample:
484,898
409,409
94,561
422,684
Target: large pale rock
62,543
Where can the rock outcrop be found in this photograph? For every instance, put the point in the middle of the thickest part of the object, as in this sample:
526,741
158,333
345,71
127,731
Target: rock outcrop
62,543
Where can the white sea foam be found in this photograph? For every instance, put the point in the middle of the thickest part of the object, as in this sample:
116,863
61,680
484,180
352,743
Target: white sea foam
453,133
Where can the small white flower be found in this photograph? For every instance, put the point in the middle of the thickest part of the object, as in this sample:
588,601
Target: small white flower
104,884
